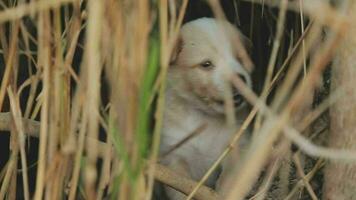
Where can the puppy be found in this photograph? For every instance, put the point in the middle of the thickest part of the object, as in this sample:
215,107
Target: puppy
205,55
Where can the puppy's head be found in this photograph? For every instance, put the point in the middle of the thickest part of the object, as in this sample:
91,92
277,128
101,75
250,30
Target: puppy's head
205,55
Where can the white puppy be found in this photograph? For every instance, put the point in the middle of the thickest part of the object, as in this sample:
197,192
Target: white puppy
197,77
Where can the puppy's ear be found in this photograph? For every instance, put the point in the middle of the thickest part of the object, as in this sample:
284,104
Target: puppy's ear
178,46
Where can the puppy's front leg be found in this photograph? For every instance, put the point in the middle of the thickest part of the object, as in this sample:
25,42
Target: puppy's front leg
180,166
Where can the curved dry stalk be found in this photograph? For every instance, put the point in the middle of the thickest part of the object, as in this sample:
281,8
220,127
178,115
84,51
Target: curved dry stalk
318,151
31,127
183,184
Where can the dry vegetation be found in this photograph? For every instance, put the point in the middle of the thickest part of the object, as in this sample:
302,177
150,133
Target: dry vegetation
87,78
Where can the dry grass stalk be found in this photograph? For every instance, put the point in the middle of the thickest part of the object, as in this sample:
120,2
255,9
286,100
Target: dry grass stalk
93,72
184,184
44,57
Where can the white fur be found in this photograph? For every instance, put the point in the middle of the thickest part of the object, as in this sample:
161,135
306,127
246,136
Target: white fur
191,98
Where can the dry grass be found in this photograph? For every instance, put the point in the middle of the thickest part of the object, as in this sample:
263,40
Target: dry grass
74,49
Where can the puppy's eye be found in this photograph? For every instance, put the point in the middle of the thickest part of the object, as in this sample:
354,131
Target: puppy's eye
207,65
